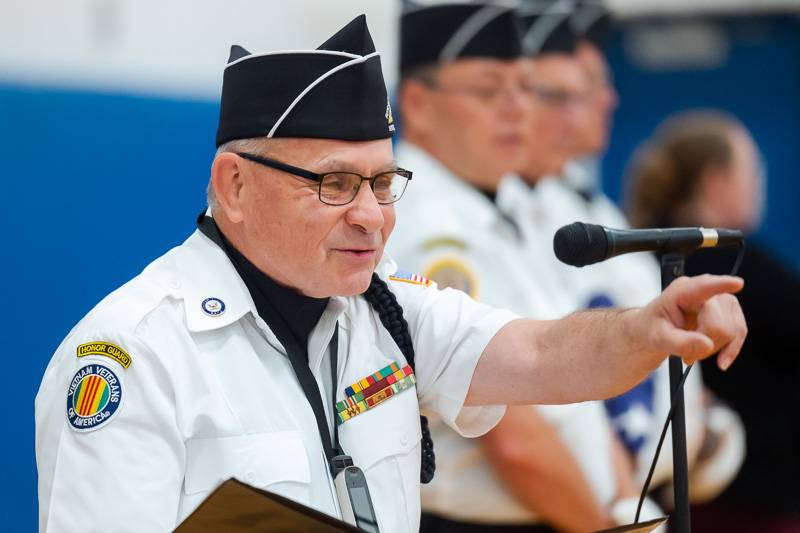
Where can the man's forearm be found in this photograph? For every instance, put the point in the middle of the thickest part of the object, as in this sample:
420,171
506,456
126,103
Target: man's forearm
593,355
586,355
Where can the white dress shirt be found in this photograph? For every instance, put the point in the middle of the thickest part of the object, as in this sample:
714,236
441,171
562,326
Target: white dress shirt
210,395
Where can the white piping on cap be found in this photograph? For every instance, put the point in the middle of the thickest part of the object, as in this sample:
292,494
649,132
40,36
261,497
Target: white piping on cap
287,52
537,7
544,25
334,70
470,28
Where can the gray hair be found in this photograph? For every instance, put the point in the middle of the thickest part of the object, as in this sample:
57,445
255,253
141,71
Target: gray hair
256,145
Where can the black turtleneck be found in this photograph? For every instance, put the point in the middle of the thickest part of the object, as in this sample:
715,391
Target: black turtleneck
286,311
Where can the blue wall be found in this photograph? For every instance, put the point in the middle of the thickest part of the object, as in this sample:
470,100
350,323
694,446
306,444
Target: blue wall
760,84
96,185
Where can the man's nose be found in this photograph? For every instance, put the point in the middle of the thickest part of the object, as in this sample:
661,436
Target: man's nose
517,103
365,211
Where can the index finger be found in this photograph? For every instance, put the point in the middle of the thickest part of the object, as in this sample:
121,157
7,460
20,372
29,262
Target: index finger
694,292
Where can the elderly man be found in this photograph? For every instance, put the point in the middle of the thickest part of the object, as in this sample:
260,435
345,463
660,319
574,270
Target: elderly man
272,338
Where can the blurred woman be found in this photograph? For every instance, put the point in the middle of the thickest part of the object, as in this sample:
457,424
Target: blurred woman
703,169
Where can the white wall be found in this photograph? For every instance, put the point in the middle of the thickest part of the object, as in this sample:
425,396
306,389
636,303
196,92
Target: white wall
167,47
179,47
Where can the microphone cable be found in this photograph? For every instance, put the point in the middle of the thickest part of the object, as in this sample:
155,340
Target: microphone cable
678,394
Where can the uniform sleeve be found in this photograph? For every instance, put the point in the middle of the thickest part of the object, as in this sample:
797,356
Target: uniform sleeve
450,331
108,448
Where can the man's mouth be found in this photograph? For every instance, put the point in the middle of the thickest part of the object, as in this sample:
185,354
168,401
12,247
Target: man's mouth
510,139
356,252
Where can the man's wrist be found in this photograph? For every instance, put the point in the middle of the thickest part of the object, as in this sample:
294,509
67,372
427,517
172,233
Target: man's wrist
638,334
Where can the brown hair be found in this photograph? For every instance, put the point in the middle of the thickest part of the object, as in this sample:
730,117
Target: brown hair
665,171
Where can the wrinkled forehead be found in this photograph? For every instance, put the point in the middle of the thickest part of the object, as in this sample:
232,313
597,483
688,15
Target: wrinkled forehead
323,155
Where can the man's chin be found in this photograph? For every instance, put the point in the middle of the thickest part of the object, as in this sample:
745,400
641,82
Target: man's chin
354,284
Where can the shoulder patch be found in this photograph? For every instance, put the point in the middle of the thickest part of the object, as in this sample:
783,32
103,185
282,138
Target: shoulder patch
106,349
408,277
94,396
454,273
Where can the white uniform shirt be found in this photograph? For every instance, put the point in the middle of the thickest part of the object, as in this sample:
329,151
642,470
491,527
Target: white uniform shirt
442,219
208,396
629,280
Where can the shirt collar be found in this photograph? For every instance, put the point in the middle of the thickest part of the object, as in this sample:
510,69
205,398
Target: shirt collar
286,311
207,276
513,193
206,272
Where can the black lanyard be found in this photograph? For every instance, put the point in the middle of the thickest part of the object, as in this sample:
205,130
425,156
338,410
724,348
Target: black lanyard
309,385
299,362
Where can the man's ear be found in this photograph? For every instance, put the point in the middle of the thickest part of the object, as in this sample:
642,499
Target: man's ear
227,180
416,106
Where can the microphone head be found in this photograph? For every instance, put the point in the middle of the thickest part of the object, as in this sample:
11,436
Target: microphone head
580,244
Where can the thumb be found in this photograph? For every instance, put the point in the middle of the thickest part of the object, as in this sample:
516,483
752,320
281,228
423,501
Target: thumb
690,345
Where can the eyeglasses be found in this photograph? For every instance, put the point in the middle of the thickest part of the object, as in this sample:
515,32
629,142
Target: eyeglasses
489,95
560,97
341,188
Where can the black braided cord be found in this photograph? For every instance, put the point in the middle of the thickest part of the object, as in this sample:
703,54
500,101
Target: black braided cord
383,301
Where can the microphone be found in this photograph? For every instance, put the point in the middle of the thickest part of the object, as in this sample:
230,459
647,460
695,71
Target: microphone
580,244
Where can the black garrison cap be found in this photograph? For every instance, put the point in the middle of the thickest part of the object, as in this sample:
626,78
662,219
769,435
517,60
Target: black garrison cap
546,27
334,92
442,33
592,21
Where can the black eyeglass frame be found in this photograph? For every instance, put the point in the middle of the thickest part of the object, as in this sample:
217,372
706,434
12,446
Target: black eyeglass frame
489,95
319,177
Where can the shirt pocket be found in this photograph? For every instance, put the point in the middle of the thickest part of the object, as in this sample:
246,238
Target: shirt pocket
385,443
275,461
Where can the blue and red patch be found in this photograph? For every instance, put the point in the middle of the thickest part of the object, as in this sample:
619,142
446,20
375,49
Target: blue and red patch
93,398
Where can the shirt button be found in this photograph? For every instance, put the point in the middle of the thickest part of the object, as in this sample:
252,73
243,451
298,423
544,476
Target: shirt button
250,476
404,439
174,284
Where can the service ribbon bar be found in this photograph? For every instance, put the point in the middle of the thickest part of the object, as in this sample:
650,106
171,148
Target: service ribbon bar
374,389
362,384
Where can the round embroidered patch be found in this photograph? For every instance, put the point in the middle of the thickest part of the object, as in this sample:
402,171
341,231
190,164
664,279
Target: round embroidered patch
455,273
213,306
93,397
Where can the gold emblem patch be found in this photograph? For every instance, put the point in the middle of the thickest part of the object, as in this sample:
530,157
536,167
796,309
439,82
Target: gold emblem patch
106,349
389,117
451,272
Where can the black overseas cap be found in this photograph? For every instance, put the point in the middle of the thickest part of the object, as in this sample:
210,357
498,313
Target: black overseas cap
442,33
592,21
546,27
334,92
